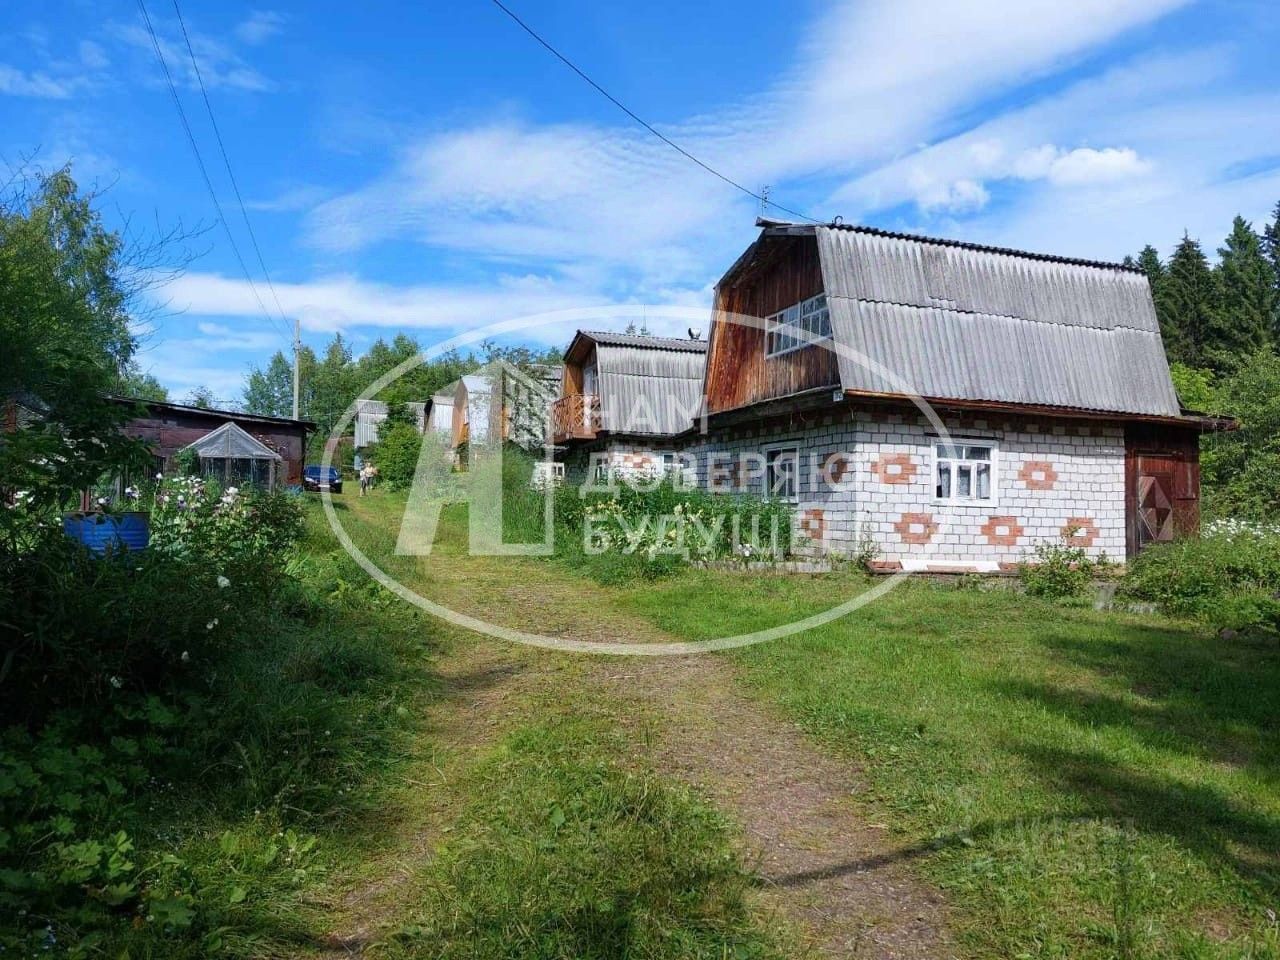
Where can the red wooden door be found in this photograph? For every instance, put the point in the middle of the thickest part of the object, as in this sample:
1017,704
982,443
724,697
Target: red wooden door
1162,484
1155,499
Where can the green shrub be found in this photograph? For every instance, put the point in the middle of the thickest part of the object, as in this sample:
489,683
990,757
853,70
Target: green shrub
1058,571
396,454
1228,577
1241,467
171,807
661,527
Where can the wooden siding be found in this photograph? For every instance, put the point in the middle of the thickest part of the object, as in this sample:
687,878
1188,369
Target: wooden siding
575,417
784,272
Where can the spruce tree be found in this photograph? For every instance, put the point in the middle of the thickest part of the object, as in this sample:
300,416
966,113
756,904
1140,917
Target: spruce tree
1271,247
1187,303
1149,263
1247,287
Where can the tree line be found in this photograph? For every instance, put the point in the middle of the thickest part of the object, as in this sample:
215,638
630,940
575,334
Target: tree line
330,383
1221,328
1213,316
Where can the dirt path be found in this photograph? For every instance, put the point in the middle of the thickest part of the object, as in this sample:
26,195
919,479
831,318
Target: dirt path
841,881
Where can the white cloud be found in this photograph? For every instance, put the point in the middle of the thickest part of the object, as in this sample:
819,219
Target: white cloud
1087,166
93,56
342,302
18,83
220,66
260,26
507,189
960,196
56,78
290,200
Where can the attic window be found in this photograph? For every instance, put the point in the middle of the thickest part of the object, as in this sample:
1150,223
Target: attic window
797,327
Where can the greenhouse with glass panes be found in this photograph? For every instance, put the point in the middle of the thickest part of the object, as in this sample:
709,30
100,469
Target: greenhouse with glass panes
235,457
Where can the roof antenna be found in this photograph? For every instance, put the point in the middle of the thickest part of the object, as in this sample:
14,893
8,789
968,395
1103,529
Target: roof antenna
764,200
837,221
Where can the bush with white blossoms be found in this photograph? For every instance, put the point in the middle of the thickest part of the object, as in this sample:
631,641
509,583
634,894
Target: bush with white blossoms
1231,528
236,536
1228,576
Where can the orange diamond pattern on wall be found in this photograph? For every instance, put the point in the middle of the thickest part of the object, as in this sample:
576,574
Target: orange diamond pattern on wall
894,468
916,527
1038,475
1002,531
1079,532
813,524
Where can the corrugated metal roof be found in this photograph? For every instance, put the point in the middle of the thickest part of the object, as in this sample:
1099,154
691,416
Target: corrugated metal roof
640,340
960,322
648,388
371,413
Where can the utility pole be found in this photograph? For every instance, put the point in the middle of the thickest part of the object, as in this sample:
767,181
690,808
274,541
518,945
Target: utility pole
297,356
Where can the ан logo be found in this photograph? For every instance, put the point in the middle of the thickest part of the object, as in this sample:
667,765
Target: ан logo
496,406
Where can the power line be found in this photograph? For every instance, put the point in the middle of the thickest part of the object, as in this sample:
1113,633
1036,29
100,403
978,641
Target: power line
648,126
226,160
204,172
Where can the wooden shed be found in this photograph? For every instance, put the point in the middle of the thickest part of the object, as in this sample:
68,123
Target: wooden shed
170,428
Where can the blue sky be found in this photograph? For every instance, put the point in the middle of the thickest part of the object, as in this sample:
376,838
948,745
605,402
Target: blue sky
428,168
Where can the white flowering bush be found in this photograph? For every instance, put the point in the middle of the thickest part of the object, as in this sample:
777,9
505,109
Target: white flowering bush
1229,576
232,535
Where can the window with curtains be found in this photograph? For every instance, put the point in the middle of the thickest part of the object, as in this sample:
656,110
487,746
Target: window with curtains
965,472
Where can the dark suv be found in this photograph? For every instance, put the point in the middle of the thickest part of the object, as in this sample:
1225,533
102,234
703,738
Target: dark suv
318,478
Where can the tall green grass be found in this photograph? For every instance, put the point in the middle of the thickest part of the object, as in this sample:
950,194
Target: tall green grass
205,820
566,852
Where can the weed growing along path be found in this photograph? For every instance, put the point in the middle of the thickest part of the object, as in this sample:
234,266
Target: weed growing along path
828,882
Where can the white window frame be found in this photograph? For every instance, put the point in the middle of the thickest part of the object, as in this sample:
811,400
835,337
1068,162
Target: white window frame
775,448
811,317
960,445
600,467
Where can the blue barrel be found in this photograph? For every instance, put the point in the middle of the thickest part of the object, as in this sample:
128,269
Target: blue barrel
101,532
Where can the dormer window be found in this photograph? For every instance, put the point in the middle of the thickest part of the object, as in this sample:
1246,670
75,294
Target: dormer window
798,326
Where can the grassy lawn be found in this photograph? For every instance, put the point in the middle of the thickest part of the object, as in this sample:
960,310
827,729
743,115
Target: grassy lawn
540,830
1081,784
562,849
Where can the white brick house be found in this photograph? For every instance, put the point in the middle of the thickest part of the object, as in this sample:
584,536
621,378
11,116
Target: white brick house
1053,414
951,404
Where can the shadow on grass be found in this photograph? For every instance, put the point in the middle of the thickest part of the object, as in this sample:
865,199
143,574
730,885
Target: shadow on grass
1179,689
1210,705
1199,816
916,851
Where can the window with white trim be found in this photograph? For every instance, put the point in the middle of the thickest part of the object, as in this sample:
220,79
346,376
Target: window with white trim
782,473
797,326
964,471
